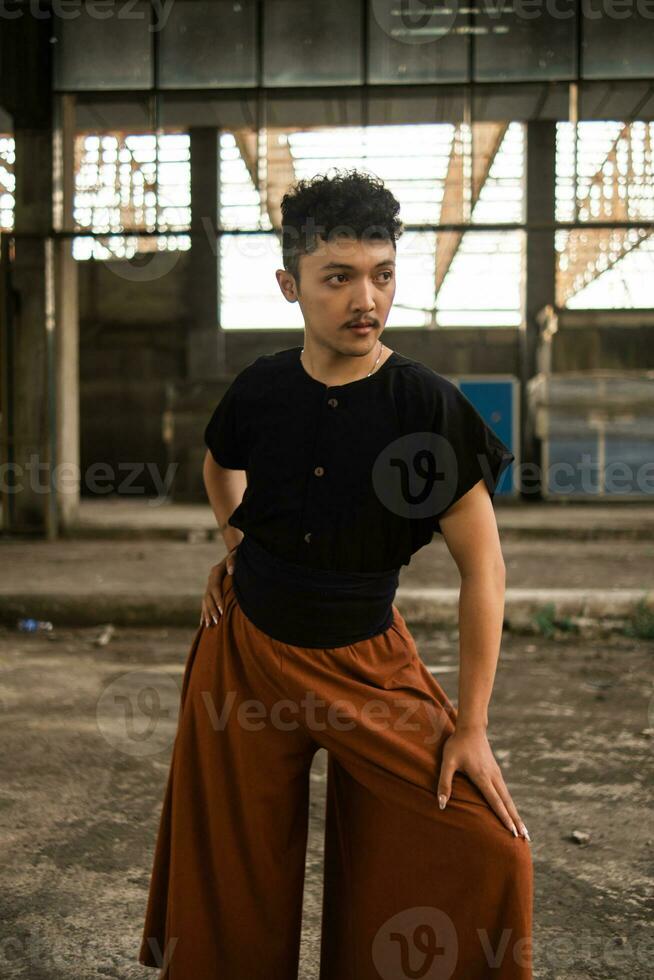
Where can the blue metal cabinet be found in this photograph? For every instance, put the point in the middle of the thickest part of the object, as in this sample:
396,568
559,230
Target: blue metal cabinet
497,399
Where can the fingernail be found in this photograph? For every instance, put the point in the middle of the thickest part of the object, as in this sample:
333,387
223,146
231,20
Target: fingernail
442,800
220,609
214,619
514,829
525,832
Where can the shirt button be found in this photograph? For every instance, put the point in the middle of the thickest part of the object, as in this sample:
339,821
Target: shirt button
319,470
333,402
307,537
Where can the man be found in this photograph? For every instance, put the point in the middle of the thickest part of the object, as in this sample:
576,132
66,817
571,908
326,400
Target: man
327,467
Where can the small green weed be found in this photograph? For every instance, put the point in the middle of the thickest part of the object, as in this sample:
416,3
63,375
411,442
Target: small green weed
641,622
548,624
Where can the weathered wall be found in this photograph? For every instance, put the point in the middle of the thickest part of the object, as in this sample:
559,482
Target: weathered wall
133,364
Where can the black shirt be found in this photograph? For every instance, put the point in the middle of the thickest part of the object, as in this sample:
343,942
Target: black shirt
350,477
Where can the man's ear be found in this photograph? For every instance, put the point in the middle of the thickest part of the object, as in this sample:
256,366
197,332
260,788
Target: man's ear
287,284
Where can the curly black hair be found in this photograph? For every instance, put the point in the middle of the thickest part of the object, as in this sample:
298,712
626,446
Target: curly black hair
350,203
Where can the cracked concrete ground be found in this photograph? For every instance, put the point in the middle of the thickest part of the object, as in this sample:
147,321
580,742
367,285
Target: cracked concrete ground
571,724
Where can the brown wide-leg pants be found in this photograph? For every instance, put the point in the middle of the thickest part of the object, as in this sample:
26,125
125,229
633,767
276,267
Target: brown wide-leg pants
409,890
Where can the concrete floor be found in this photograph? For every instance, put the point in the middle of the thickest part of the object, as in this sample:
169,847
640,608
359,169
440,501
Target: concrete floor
172,569
590,566
571,724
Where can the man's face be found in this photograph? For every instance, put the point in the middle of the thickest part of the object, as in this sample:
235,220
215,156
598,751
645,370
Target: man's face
341,282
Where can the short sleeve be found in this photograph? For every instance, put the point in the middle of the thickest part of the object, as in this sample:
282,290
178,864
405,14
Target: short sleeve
472,451
225,434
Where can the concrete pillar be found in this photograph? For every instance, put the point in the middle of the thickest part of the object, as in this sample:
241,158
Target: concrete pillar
540,266
34,429
205,340
190,402
45,408
66,319
41,288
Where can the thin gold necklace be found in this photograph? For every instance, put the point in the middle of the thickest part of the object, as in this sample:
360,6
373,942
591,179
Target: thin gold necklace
381,348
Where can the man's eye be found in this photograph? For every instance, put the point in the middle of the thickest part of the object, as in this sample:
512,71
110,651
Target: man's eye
341,275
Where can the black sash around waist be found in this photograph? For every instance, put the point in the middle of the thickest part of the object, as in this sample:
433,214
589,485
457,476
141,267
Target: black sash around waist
311,607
